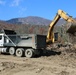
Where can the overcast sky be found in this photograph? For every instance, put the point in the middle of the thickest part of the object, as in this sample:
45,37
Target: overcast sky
43,8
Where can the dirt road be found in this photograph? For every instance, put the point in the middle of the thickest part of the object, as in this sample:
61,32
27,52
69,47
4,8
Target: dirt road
52,64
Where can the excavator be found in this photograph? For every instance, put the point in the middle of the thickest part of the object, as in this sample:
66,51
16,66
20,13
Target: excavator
66,17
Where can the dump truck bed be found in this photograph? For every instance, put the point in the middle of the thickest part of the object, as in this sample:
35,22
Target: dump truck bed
27,40
35,41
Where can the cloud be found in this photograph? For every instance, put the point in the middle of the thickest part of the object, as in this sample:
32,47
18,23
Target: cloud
22,10
2,2
16,2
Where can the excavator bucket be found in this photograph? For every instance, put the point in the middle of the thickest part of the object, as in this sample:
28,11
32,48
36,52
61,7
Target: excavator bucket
71,28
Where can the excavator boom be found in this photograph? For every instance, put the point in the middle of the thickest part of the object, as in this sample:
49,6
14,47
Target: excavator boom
66,17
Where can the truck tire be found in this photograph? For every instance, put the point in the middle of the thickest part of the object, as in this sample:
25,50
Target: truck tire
11,50
29,53
19,52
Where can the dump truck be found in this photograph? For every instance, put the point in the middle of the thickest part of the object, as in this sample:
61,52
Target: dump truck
19,45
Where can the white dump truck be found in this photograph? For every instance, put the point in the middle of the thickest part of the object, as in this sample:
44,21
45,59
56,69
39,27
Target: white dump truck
19,45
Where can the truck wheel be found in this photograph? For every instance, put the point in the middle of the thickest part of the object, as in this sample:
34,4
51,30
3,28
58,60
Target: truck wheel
12,50
29,53
19,52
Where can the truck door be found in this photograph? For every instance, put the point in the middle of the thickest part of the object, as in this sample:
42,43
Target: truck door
1,41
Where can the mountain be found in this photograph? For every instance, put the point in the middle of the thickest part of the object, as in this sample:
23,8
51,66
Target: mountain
33,20
24,28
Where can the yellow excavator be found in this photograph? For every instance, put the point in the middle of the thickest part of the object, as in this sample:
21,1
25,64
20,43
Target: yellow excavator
66,17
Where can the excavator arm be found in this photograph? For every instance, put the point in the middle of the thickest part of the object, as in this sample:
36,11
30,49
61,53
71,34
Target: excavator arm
60,14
